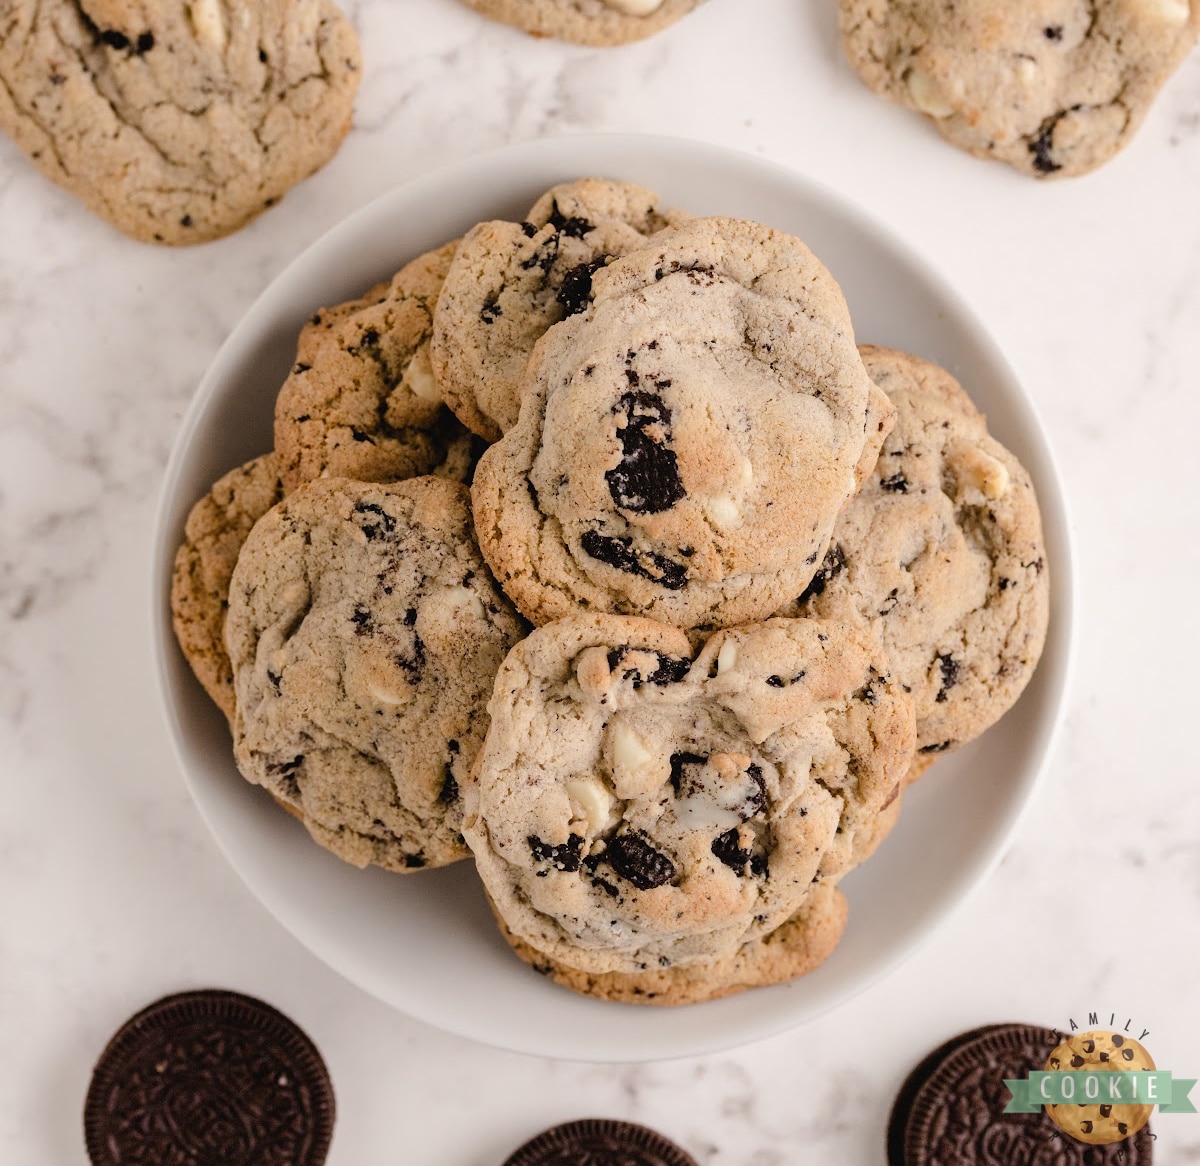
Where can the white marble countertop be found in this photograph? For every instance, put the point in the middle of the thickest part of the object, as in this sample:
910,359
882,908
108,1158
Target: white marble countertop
111,891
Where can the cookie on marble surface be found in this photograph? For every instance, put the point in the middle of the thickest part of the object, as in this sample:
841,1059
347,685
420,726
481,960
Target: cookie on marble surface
686,443
942,550
364,633
510,282
213,535
587,22
795,948
360,401
1100,1124
177,122
1053,87
636,808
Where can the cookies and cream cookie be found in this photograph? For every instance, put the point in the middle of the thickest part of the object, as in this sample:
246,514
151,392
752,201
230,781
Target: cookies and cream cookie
360,401
510,282
213,535
364,633
588,22
637,808
941,550
177,122
686,442
795,948
1053,87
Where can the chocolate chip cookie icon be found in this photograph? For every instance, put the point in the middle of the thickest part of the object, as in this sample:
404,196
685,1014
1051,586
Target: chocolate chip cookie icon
1099,1123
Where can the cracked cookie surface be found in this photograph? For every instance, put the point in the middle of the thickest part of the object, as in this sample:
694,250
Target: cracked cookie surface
510,282
1053,87
685,444
942,551
360,401
364,633
636,807
587,22
213,535
177,122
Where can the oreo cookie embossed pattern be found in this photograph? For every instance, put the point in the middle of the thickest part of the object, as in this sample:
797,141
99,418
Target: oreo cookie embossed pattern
599,1142
209,1076
951,1109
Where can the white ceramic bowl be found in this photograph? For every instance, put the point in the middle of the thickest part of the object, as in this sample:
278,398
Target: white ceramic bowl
426,943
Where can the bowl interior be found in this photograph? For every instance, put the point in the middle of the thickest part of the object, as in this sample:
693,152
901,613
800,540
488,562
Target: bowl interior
426,943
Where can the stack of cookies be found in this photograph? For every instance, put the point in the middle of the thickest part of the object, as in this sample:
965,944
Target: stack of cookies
722,585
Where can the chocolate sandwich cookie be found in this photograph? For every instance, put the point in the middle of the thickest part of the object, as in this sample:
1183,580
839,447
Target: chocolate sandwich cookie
209,1076
951,1108
600,1142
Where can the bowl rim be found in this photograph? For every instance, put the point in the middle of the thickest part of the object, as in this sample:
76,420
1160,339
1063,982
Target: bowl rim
1056,667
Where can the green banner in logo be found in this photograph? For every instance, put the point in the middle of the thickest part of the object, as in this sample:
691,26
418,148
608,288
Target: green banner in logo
1100,1087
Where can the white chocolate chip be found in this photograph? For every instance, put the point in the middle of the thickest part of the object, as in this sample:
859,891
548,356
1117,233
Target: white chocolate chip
635,7
389,696
1174,12
927,95
629,750
723,511
727,656
295,593
983,472
704,814
996,482
459,603
592,799
208,22
418,377
1026,71
636,770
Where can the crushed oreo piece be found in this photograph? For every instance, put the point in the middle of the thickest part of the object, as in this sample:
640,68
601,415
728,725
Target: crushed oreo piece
373,520
832,566
566,856
574,227
670,670
619,553
949,669
575,293
647,479
633,858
